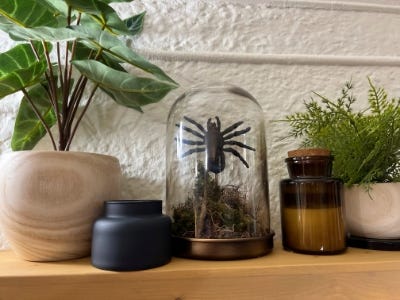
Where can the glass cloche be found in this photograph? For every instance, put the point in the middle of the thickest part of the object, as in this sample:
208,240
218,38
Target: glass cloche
217,186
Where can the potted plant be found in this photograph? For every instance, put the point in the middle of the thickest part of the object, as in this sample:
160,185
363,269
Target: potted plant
366,147
67,51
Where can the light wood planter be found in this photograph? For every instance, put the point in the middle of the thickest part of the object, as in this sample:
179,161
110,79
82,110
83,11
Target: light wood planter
50,199
356,274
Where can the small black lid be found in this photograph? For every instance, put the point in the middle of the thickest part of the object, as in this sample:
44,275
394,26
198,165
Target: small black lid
132,207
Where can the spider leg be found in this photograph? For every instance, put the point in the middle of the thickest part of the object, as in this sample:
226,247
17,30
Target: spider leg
190,130
236,133
232,127
191,151
239,144
237,154
199,126
190,142
218,123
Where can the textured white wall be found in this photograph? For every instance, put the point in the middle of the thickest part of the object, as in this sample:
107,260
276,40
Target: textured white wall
277,50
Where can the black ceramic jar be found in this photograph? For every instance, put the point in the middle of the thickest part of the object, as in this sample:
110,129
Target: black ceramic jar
311,204
131,235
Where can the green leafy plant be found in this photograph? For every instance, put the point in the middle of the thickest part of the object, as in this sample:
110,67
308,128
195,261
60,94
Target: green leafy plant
214,211
62,46
365,144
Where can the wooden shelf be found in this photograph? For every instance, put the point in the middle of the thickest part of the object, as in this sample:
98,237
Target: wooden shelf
356,274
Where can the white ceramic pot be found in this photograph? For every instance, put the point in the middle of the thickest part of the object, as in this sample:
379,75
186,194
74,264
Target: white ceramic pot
374,213
50,199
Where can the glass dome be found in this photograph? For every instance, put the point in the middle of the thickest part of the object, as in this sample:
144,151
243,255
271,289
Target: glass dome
217,186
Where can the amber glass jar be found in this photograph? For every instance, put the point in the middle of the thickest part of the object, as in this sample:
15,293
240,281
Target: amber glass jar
311,204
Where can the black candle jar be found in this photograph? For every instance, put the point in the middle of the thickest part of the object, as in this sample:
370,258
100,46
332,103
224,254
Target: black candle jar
311,204
131,235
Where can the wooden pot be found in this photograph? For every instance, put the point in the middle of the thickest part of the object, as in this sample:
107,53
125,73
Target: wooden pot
50,199
374,213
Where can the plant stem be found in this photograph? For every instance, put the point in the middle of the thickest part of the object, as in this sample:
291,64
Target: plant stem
69,76
203,208
50,77
52,85
53,92
67,82
74,102
50,90
49,93
340,111
69,15
63,138
80,117
46,88
73,107
68,70
60,66
34,50
40,117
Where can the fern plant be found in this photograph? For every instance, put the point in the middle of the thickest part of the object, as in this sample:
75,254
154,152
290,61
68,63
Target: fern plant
365,143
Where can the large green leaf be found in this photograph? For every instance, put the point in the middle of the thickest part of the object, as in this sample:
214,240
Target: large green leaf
83,52
87,6
59,5
4,21
135,23
7,26
19,57
28,13
126,89
112,63
111,45
22,78
99,15
28,129
19,68
61,12
115,1
48,34
105,19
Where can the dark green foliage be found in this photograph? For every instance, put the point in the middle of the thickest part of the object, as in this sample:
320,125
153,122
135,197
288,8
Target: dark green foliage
183,224
365,144
213,211
64,39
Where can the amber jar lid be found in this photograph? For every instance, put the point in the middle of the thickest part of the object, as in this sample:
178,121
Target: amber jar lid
309,162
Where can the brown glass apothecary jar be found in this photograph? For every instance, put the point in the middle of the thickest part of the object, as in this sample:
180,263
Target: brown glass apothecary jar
311,204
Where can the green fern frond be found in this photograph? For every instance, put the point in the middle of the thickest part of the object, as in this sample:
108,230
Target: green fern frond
365,144
377,98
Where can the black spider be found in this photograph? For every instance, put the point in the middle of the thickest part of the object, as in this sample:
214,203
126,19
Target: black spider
215,142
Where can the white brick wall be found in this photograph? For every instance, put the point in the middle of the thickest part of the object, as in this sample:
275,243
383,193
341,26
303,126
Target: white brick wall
277,50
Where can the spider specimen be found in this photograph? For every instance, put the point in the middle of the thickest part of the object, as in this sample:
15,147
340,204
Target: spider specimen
214,142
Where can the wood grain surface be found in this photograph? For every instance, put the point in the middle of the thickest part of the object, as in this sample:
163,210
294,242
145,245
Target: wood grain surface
50,199
356,274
